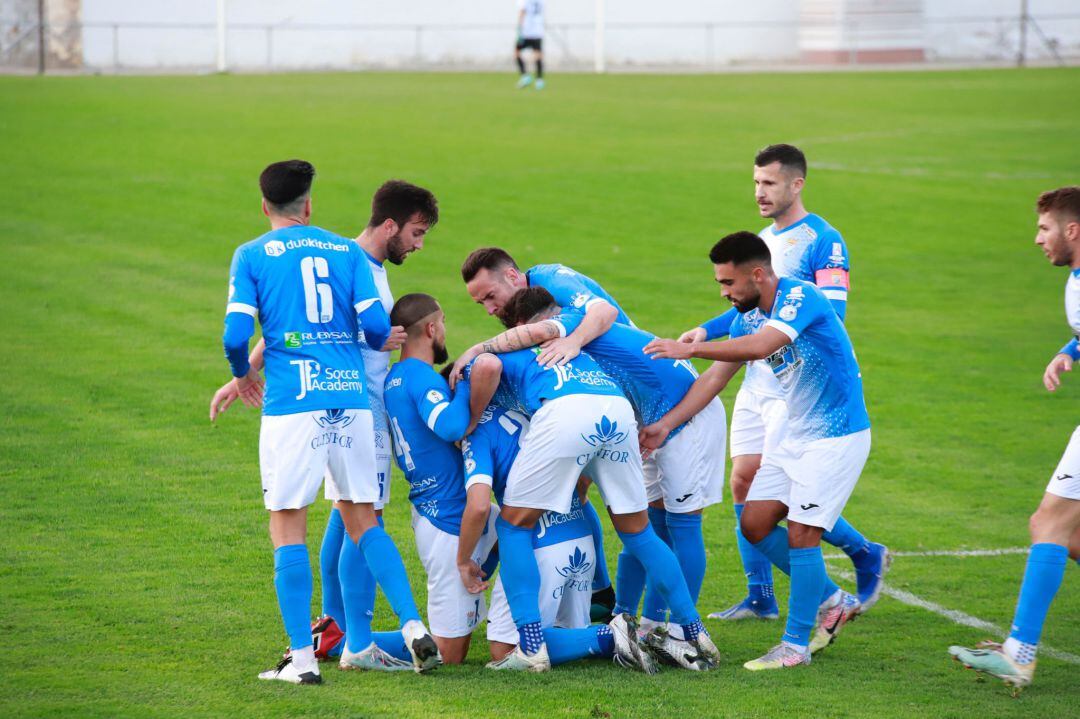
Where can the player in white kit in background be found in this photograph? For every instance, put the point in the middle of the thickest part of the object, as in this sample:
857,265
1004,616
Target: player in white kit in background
1055,526
530,35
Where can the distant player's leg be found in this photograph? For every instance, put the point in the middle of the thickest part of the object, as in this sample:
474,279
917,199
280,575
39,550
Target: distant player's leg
1054,526
524,78
539,54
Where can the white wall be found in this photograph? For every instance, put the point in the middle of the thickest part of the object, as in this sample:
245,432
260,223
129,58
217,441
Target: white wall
701,33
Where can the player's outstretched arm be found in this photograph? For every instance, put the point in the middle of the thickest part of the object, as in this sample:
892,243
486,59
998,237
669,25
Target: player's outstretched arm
513,339
741,349
711,382
598,320
713,329
473,521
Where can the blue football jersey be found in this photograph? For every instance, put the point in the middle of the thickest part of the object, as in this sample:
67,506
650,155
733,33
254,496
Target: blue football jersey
817,372
415,395
306,286
572,290
525,384
489,453
653,387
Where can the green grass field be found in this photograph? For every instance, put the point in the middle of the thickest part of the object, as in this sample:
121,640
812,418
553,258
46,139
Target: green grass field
137,573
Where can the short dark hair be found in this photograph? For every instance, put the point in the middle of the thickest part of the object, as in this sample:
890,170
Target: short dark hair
790,158
410,309
740,247
283,183
1064,200
486,258
525,304
398,200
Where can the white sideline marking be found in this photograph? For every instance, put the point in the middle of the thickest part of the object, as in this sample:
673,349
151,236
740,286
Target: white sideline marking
952,553
957,616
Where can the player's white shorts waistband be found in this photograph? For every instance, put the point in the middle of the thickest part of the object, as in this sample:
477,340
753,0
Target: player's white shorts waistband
758,423
814,479
452,611
296,452
688,471
1065,481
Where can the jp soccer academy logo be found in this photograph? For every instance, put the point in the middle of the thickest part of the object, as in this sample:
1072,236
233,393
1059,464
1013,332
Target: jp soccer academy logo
607,432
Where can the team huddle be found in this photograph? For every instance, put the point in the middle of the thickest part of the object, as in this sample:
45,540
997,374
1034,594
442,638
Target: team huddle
500,447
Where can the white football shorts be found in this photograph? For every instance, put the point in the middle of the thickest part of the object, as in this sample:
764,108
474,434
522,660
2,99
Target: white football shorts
758,423
566,575
297,451
688,471
568,436
1065,481
814,479
452,611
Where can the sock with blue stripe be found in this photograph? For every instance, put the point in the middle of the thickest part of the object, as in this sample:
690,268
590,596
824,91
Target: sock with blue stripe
384,561
689,544
329,554
654,607
1042,577
293,582
847,538
758,568
775,547
807,581
662,569
601,578
567,645
521,582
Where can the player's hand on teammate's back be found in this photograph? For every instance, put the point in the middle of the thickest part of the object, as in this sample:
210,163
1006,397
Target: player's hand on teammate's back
558,351
697,334
1052,375
668,349
472,577
250,388
397,337
652,437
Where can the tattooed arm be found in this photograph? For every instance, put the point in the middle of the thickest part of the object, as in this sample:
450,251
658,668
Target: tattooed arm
515,338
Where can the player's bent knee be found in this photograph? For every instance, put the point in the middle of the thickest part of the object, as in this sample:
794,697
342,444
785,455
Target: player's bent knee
453,650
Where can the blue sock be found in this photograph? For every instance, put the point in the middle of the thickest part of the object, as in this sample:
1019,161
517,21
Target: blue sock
775,547
393,644
807,579
654,607
521,582
689,545
847,538
756,565
567,645
1042,577
601,579
629,583
384,561
358,595
292,580
329,553
662,569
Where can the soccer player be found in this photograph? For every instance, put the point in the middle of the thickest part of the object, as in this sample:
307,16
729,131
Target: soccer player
810,474
530,34
1055,526
688,472
579,422
805,247
314,295
564,552
426,420
402,214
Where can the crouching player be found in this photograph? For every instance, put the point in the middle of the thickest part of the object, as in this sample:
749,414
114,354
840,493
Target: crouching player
1055,526
303,281
564,551
812,473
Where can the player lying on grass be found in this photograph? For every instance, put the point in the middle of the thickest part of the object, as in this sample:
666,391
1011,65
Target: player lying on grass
809,477
316,416
579,422
1055,526
564,551
685,476
804,246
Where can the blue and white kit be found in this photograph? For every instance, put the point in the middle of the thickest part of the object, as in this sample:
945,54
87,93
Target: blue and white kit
314,296
1065,482
816,465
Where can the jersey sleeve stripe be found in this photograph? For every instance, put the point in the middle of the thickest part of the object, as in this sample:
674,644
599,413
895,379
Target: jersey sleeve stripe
479,479
784,327
834,294
559,326
434,416
595,300
242,308
361,306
